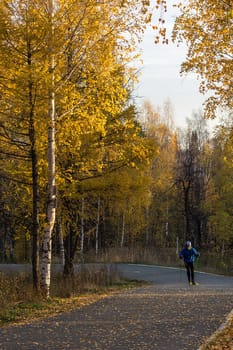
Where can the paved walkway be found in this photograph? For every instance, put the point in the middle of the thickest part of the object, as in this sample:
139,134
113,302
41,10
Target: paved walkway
164,316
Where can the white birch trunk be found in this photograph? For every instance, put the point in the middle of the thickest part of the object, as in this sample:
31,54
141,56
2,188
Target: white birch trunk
177,245
82,227
51,189
97,228
223,249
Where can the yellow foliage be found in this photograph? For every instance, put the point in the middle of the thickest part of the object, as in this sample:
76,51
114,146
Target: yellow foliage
207,29
92,43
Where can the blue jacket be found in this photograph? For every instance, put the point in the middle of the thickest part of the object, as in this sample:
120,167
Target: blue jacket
188,254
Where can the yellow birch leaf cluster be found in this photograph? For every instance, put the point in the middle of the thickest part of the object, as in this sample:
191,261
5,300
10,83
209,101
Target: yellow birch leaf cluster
206,27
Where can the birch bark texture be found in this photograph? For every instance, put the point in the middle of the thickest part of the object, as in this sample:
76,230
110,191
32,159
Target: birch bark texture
51,186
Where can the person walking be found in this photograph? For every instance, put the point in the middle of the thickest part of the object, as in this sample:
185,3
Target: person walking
188,254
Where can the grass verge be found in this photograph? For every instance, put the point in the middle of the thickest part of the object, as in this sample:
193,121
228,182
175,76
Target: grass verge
19,304
222,339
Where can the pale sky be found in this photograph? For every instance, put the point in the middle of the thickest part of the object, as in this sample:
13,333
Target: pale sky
160,79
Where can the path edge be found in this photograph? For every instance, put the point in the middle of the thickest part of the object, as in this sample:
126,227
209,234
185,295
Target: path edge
216,333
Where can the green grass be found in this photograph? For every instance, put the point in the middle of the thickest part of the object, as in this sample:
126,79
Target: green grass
20,311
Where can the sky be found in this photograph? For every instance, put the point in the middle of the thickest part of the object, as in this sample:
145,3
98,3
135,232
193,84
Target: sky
160,79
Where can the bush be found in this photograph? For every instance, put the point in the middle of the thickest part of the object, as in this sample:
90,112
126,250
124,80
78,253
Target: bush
15,288
88,278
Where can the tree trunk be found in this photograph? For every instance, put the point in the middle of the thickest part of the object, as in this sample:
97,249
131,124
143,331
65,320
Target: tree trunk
51,213
70,245
2,252
223,249
147,226
177,245
35,193
167,222
82,227
97,228
35,224
11,249
61,244
68,269
187,211
51,189
123,231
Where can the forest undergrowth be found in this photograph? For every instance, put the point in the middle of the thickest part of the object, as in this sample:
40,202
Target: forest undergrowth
19,303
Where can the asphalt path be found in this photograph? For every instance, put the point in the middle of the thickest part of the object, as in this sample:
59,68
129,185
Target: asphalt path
173,277
168,314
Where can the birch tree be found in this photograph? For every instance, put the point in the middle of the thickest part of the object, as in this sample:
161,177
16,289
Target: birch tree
158,127
192,177
81,29
51,186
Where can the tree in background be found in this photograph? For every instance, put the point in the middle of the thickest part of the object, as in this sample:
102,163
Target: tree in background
191,178
206,27
104,166
219,204
158,127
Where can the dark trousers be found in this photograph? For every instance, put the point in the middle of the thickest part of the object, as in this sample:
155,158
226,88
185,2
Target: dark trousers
190,271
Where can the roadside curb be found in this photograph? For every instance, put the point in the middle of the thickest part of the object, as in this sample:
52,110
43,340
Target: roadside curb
219,330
